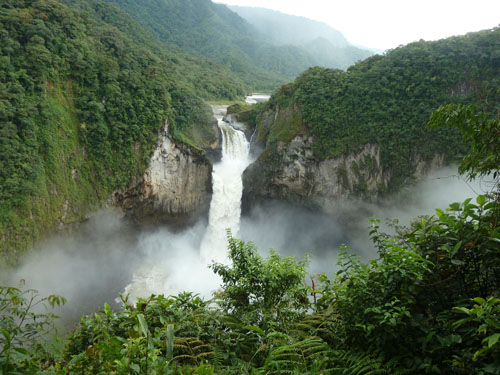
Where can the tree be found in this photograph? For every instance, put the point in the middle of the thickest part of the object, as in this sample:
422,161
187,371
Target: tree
480,130
24,331
265,292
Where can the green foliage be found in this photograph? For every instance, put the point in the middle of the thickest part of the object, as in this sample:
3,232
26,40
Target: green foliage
481,328
266,293
199,76
375,299
480,130
212,31
81,105
150,337
26,333
407,295
406,312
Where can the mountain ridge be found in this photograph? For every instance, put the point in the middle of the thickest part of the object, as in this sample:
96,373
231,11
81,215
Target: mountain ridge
333,51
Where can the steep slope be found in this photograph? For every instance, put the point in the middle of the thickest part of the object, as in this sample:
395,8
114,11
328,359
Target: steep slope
213,31
328,56
81,106
328,46
334,134
206,78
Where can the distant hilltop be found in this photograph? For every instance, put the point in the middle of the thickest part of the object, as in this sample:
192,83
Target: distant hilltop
327,46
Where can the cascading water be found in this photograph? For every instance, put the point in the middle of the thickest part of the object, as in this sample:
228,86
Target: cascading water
227,186
173,262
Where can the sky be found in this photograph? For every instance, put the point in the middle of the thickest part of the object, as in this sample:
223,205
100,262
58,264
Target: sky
386,24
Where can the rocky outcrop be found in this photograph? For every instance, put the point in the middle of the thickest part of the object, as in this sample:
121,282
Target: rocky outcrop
232,119
291,173
176,188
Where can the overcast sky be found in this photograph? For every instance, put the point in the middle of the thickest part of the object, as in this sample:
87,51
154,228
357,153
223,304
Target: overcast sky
385,24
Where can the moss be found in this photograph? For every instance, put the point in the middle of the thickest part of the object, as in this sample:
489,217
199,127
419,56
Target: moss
287,125
355,169
387,100
369,164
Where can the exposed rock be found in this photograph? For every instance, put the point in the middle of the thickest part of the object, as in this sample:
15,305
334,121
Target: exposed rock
291,173
213,145
232,119
423,167
176,187
463,89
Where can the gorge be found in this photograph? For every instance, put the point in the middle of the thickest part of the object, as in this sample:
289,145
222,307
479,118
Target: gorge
127,150
170,258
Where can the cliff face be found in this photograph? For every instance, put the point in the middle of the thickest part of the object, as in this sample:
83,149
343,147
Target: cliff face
296,176
176,187
362,132
292,174
287,170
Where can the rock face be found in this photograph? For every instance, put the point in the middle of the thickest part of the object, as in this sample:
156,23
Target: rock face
292,174
176,188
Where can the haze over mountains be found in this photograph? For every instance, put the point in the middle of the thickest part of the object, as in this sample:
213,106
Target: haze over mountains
328,46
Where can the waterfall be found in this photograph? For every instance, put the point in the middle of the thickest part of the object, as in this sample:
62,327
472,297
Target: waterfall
227,186
173,262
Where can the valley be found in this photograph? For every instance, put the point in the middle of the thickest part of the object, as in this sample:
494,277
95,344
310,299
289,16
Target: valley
244,191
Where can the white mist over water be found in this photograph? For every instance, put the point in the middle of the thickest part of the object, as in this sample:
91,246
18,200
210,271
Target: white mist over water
176,262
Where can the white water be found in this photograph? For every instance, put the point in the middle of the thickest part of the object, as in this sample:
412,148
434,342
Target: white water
175,262
227,186
257,98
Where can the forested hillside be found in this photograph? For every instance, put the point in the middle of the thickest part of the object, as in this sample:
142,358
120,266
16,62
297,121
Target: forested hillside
384,101
428,304
211,30
328,47
81,105
208,79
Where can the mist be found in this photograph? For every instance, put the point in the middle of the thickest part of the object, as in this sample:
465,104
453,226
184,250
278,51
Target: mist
87,265
107,255
297,231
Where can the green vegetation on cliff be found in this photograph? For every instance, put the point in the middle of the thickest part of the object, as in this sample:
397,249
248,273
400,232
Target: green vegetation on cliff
428,304
81,104
387,100
206,78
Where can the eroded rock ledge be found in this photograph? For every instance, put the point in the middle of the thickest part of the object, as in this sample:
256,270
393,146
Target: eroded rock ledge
176,188
291,173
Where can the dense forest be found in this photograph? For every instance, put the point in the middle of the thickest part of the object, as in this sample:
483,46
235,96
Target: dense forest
84,90
81,105
386,100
